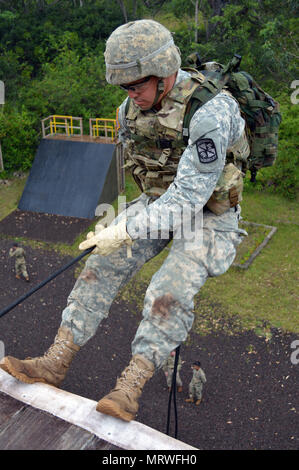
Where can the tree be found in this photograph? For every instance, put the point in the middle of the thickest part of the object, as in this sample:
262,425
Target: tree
211,9
195,3
125,10
154,6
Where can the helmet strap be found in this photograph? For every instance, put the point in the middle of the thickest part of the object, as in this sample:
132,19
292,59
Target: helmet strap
160,90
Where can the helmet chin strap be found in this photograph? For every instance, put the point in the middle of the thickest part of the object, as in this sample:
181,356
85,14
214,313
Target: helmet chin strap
160,90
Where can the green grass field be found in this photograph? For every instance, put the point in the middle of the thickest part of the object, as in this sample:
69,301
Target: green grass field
263,296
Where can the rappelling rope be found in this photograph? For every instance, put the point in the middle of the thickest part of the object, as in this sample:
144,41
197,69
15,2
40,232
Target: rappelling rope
43,283
173,389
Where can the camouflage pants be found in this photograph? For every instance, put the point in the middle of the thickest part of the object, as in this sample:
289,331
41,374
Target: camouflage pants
168,305
20,267
195,390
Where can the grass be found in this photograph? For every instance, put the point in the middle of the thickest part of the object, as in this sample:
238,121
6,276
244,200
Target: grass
10,195
259,298
263,296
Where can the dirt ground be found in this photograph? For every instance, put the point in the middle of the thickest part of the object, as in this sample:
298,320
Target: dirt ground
43,227
251,397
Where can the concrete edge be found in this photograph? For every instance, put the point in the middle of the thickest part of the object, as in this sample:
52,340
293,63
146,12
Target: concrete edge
82,412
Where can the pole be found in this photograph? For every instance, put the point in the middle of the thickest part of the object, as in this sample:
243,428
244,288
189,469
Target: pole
1,160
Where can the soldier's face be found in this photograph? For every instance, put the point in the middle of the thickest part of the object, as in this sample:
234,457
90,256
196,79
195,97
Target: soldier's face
143,96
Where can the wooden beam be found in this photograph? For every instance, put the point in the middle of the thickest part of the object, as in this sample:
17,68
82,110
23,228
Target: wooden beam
82,412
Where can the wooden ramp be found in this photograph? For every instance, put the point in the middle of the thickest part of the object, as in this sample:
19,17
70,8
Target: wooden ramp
42,417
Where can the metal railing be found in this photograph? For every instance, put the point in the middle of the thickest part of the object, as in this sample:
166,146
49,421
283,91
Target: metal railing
100,127
59,124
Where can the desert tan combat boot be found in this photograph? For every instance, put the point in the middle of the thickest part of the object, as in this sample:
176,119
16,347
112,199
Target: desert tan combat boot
50,368
122,401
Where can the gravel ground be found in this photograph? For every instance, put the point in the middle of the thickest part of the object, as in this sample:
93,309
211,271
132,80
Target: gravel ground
43,227
250,400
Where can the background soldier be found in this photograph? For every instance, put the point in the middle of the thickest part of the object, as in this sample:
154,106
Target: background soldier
196,384
168,368
20,263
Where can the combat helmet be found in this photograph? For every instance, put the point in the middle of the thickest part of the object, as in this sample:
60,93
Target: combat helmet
139,49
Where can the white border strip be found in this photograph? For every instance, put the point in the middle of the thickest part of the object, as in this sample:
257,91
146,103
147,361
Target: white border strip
82,412
262,245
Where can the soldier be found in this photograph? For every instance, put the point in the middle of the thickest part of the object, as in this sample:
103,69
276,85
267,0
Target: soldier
196,384
20,263
168,368
173,175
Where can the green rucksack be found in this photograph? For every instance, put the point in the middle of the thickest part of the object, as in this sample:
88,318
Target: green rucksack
258,108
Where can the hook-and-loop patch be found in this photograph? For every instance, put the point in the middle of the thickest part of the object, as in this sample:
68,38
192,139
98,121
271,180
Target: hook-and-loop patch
206,150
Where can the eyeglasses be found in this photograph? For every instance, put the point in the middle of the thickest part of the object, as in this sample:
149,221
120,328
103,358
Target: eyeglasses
137,86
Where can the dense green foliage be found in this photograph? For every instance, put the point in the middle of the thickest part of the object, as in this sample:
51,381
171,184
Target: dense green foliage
52,63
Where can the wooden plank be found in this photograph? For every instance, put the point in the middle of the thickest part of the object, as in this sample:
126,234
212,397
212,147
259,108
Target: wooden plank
31,429
98,444
81,412
80,138
8,408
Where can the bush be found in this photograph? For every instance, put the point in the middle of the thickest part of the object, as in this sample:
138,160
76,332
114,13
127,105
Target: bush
18,140
73,86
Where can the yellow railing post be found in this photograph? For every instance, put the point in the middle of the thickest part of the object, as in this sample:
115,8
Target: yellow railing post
66,122
98,127
107,126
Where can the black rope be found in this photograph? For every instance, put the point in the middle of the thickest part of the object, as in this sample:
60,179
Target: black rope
173,389
43,283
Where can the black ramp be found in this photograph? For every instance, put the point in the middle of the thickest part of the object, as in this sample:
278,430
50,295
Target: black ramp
70,178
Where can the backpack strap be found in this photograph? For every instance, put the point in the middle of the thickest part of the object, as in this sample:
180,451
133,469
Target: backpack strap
201,95
127,105
216,77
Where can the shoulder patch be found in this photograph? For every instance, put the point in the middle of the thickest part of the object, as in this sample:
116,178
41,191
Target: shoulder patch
206,150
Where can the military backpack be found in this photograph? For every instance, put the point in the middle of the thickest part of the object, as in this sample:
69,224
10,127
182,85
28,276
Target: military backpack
258,108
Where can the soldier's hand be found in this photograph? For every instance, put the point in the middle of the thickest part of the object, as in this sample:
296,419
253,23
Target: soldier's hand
107,240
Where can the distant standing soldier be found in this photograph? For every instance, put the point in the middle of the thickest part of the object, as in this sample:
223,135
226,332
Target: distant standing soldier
168,368
196,384
20,264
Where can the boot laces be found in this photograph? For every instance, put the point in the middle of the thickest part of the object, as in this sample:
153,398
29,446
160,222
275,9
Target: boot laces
57,349
130,378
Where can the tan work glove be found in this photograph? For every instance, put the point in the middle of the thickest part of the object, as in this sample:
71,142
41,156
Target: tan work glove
107,240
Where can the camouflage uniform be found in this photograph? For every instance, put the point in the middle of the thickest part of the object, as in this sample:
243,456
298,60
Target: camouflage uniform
196,384
168,367
20,264
168,305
